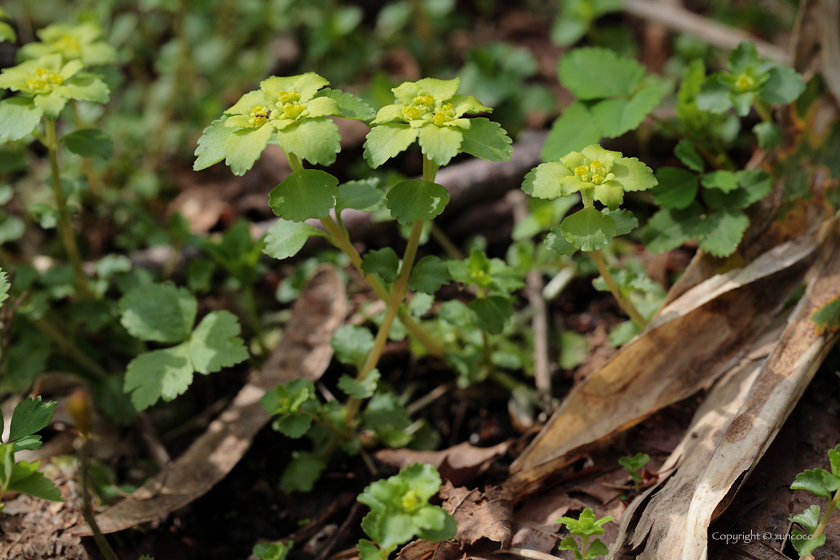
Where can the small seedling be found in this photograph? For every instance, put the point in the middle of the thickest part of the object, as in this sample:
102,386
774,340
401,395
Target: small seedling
635,466
273,551
825,485
400,510
585,527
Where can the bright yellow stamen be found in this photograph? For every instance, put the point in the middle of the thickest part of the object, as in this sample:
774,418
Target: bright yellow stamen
259,115
285,97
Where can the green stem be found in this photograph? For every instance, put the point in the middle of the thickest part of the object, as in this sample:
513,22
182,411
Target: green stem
87,167
87,511
763,110
443,240
625,303
254,316
832,505
64,226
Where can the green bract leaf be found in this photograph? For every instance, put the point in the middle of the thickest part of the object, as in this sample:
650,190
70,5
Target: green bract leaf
440,143
286,238
18,117
242,147
574,130
316,140
588,229
428,275
687,154
215,343
30,416
818,481
351,106
158,374
487,140
769,135
305,194
809,518
631,174
725,181
625,221
546,180
360,389
303,471
383,262
491,313
360,195
386,141
677,188
352,344
727,228
416,199
158,312
595,73
81,41
288,398
89,142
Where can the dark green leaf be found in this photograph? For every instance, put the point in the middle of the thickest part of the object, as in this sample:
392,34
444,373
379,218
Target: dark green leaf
351,344
487,140
302,472
159,312
305,194
687,154
809,518
559,244
428,275
616,76
359,389
89,142
727,229
292,424
491,313
827,318
783,86
383,262
215,343
35,484
360,195
415,199
286,238
588,229
677,188
572,132
614,117
625,221
804,544
725,181
30,416
668,229
818,481
769,135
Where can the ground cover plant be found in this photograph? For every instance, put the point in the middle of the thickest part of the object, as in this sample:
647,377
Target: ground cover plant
389,231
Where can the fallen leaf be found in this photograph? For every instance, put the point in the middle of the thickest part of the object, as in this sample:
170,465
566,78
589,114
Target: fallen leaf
480,515
304,352
459,464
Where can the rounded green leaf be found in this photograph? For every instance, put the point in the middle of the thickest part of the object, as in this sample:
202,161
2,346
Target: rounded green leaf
783,86
491,313
595,73
215,343
158,374
286,238
158,312
211,145
677,188
727,229
428,275
616,116
440,143
546,180
383,262
351,344
687,154
242,147
416,199
315,140
574,130
633,175
625,221
305,194
362,195
89,142
588,229
559,244
725,181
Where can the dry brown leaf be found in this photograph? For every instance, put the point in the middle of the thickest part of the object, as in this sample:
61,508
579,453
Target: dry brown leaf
688,345
304,352
425,550
678,529
459,464
480,515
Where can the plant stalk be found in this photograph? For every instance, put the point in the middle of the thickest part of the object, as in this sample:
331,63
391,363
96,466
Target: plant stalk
254,316
763,109
87,511
625,303
832,505
64,226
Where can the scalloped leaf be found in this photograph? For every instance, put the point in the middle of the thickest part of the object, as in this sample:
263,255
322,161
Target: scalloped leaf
18,117
677,188
415,199
286,238
315,140
595,73
571,132
440,143
588,229
386,140
487,140
305,194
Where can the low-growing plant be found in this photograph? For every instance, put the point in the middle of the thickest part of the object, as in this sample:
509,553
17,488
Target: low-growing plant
400,510
826,485
634,466
585,527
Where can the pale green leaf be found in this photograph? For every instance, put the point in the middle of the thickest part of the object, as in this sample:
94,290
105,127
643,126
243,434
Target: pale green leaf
18,117
633,175
809,518
595,73
573,131
305,194
769,135
292,425
158,312
211,145
85,87
351,106
713,95
286,238
7,33
625,221
89,142
428,275
588,229
215,343
383,262
440,143
242,147
677,188
574,348
441,90
744,56
559,244
609,194
386,140
487,140
51,104
783,86
315,140
804,544
416,199
545,180
158,374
